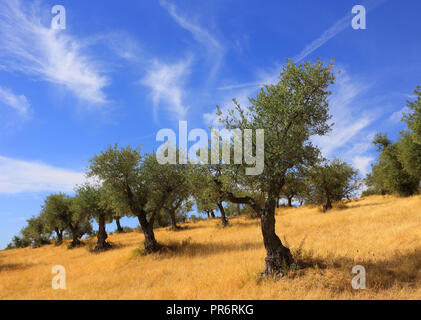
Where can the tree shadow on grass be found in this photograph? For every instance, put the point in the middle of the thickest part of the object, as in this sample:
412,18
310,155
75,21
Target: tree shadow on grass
188,248
91,246
15,266
402,270
185,227
351,205
188,226
241,224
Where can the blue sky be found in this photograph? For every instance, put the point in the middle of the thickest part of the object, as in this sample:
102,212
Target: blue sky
122,70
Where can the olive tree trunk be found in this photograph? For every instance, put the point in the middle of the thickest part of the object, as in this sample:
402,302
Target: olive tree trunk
75,236
277,255
102,235
117,222
173,220
150,244
328,204
59,236
223,217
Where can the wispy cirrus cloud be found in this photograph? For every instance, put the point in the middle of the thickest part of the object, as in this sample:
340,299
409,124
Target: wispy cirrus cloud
166,82
18,176
362,163
29,47
341,25
18,102
348,113
338,27
215,50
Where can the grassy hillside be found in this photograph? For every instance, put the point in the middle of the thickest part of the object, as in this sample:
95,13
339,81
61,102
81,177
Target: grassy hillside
209,262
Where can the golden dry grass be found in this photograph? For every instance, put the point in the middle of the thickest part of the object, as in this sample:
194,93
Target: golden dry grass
382,233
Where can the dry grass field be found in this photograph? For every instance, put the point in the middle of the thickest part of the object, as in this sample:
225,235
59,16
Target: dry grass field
381,233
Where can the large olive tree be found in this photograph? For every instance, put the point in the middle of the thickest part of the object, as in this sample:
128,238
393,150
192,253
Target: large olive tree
289,112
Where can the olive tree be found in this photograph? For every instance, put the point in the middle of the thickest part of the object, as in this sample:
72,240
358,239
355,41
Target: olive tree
56,209
36,232
290,112
120,170
138,183
61,214
332,181
410,143
209,197
171,183
295,186
95,201
388,174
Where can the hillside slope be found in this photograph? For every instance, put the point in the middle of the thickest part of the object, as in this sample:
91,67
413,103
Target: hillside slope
383,234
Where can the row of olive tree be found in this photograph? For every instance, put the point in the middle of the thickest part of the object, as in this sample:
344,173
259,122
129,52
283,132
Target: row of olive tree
290,112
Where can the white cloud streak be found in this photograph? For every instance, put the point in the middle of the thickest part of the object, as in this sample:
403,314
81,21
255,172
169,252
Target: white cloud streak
397,116
362,163
348,116
166,82
51,55
18,176
335,29
18,102
215,49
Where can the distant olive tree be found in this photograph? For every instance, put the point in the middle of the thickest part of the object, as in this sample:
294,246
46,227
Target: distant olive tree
332,181
95,202
56,210
295,186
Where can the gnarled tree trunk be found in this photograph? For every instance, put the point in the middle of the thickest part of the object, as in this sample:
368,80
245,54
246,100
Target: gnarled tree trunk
150,244
75,240
102,235
212,214
59,236
223,217
289,201
75,236
277,255
173,220
117,222
328,204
